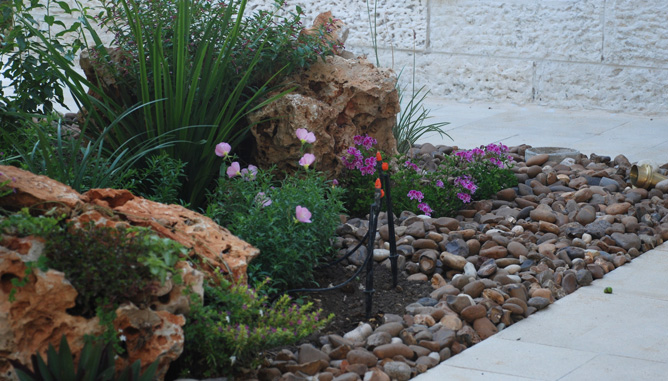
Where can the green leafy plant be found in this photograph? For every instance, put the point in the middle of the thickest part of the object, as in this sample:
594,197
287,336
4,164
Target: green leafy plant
236,323
160,180
23,224
96,363
290,221
210,63
71,158
108,266
35,81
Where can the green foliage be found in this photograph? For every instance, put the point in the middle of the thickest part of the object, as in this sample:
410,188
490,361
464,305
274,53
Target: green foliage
236,323
410,126
96,363
210,64
111,265
261,211
23,224
72,158
160,180
35,81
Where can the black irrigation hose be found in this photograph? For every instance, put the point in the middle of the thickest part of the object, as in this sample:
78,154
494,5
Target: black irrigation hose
359,270
330,264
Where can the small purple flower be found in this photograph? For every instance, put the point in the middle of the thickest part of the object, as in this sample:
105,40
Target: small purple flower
415,195
408,164
358,139
335,182
368,170
249,173
465,197
439,183
369,142
425,208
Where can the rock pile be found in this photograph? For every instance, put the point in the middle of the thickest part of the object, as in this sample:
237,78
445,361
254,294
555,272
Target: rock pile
499,261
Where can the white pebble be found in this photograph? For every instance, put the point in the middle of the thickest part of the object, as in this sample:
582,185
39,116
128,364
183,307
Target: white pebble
517,230
469,270
513,269
586,238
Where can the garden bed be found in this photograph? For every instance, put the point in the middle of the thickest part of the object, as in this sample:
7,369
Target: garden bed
565,225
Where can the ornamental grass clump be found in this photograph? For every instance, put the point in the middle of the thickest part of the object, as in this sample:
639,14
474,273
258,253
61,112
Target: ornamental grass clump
211,64
291,221
236,323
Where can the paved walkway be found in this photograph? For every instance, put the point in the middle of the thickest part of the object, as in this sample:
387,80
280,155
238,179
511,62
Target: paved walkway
588,335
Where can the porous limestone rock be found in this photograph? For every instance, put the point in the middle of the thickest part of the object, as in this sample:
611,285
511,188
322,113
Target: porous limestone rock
335,99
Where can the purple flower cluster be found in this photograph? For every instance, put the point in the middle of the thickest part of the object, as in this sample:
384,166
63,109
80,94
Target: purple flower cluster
415,195
467,183
408,164
465,197
367,141
497,162
354,159
425,208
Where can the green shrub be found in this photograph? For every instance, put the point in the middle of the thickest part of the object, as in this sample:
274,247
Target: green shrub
160,180
290,221
263,213
36,82
236,323
108,266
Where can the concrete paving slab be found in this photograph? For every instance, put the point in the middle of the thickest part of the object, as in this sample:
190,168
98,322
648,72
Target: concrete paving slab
637,137
517,358
465,374
607,367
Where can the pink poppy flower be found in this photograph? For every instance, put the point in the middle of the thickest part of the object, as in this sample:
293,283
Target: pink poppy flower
234,169
249,173
223,149
302,214
307,160
305,136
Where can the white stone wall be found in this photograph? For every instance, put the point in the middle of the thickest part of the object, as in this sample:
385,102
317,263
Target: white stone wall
576,54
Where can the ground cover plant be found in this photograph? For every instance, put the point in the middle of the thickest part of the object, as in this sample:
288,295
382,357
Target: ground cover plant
459,179
236,323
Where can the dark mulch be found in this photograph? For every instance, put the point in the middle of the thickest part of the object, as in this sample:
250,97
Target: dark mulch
349,303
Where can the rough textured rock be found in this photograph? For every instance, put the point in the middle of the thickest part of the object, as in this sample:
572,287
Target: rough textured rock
38,316
211,243
336,100
151,336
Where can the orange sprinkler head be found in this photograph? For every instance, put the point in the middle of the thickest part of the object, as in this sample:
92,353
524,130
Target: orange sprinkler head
378,186
385,166
378,157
